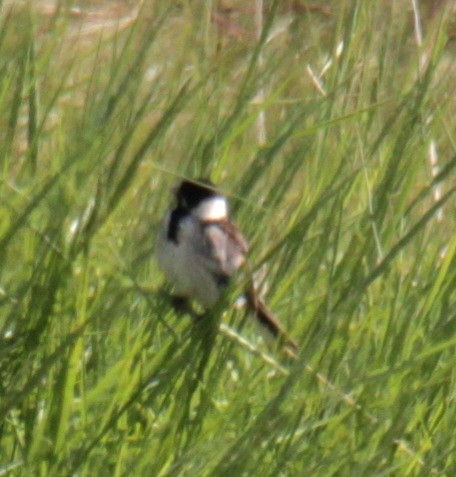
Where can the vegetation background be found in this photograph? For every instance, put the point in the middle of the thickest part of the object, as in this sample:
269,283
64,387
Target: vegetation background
331,126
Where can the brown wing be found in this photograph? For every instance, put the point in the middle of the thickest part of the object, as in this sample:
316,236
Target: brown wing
228,248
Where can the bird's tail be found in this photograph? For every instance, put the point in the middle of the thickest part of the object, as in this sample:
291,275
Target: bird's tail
269,322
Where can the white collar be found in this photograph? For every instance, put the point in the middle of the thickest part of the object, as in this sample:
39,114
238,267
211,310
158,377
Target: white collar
214,208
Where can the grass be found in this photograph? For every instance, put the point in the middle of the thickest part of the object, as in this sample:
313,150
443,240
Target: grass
349,206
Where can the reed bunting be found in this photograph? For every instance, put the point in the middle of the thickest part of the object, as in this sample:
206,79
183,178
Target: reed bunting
200,249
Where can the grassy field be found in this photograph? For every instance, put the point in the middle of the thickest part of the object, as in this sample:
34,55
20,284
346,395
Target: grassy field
332,130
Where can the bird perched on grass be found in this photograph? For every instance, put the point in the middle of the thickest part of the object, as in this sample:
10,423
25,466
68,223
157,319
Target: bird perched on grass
200,249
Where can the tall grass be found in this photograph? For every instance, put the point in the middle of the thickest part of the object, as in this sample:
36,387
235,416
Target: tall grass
99,117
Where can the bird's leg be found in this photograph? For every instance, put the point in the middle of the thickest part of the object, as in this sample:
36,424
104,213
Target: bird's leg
180,303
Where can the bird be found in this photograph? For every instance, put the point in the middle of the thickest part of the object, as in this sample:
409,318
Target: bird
200,250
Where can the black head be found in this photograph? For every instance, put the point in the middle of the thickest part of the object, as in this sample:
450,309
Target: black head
190,194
